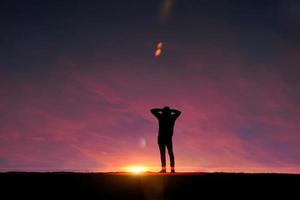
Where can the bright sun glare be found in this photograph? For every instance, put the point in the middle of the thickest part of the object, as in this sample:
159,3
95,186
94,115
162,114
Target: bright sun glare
136,169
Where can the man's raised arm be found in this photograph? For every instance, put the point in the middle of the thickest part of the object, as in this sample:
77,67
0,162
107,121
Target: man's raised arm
175,113
157,112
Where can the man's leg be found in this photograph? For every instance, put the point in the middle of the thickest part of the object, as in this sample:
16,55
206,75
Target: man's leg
171,154
162,149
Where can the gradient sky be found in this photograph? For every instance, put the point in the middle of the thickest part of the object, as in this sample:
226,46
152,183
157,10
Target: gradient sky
77,80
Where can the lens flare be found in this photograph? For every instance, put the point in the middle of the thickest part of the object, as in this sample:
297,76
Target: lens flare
158,49
157,52
159,45
165,10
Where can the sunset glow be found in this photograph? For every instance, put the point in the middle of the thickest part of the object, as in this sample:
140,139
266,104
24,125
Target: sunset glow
136,169
78,80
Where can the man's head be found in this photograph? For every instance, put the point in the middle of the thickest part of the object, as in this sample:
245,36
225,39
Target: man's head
166,110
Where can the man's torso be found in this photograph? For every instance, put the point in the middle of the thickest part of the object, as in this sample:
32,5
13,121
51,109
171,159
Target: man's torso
166,128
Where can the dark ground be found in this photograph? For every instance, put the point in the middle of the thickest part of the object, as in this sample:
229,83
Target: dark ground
66,185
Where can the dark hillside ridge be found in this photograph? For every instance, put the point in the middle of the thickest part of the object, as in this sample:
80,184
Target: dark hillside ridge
148,186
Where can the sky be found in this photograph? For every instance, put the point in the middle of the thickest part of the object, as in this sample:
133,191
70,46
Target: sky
78,78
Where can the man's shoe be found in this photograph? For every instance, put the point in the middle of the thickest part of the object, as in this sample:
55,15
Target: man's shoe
172,169
162,171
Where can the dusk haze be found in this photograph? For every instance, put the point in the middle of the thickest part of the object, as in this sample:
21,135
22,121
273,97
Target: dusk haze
78,80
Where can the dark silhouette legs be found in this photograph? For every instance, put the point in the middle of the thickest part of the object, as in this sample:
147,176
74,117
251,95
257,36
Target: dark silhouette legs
162,148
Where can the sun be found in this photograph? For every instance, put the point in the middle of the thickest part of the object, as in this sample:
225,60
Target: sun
136,169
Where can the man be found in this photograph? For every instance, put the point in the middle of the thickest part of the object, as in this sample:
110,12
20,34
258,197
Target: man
166,119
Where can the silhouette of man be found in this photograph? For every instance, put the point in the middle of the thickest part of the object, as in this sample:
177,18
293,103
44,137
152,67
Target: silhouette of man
166,120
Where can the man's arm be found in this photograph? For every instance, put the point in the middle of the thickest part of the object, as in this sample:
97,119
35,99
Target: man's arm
157,112
175,113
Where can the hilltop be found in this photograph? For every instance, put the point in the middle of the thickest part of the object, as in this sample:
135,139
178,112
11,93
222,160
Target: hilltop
148,185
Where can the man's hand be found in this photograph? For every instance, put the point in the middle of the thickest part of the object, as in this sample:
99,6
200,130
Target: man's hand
157,112
175,113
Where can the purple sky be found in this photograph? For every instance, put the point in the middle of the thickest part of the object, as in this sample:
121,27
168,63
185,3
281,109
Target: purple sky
77,82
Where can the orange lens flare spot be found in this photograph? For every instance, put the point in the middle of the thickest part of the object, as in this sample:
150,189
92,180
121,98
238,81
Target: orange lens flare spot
157,52
159,45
